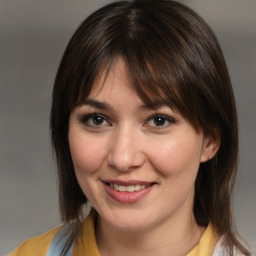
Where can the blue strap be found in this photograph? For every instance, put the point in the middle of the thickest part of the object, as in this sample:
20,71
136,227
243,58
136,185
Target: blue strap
58,243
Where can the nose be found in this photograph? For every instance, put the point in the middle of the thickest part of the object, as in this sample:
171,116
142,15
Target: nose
125,152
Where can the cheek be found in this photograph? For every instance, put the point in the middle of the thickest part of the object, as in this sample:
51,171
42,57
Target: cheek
87,154
176,156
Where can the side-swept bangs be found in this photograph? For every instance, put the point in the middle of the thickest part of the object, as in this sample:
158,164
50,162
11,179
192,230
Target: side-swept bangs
168,58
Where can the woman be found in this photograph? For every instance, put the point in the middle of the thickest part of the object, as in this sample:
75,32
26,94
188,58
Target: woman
144,127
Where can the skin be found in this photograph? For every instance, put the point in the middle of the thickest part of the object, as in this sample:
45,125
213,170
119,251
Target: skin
126,143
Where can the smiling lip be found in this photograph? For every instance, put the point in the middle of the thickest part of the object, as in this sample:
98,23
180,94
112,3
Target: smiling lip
127,191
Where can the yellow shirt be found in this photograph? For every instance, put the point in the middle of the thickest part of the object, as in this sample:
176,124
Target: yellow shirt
206,244
86,242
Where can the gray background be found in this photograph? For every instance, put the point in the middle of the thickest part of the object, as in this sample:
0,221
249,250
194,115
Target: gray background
33,35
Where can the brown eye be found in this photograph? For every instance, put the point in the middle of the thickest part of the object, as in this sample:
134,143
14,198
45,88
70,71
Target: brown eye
98,120
159,121
94,120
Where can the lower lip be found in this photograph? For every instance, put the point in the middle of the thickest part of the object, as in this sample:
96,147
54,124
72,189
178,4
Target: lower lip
127,197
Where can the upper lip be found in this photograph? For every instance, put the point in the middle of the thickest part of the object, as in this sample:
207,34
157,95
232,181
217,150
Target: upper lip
129,182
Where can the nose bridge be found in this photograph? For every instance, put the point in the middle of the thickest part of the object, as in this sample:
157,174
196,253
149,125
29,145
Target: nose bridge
125,152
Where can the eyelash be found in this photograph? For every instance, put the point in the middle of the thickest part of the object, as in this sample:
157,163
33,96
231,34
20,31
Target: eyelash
88,120
164,118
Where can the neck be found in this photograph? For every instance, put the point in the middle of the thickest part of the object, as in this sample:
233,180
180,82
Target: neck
177,236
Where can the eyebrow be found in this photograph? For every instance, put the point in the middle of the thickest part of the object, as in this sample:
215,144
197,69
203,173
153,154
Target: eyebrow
147,106
156,105
98,104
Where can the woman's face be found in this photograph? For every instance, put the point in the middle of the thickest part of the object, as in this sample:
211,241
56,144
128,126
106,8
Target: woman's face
136,164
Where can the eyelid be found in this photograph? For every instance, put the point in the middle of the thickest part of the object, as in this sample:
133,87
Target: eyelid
84,119
169,119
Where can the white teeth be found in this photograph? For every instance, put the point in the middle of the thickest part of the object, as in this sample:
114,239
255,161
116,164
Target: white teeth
130,188
137,187
122,188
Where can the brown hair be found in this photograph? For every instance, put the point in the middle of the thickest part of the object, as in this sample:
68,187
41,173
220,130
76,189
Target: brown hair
172,54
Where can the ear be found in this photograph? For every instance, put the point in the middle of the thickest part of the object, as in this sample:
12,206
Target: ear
211,146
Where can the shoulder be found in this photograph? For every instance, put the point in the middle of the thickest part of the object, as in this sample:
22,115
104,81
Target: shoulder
38,245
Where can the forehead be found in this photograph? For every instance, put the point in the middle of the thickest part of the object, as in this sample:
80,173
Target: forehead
114,88
121,78
108,81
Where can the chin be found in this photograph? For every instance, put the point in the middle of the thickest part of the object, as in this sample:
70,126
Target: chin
129,222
